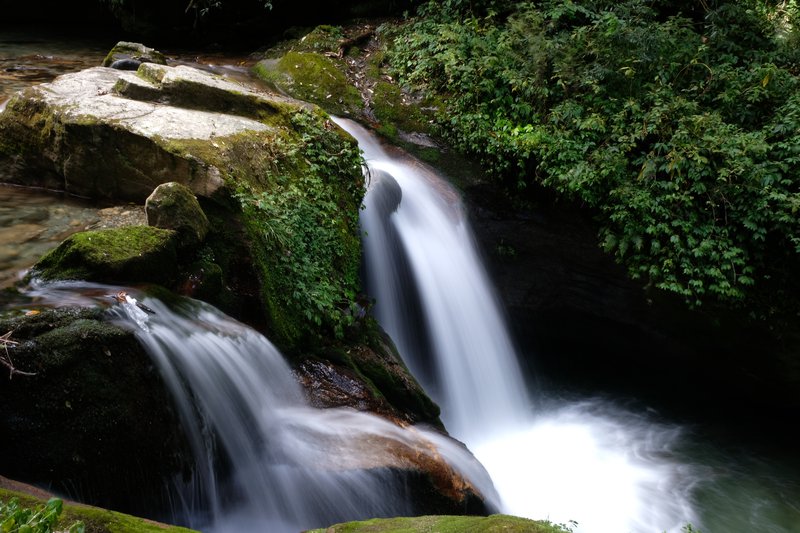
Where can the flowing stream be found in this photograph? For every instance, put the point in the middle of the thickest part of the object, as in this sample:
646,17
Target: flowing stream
588,463
264,460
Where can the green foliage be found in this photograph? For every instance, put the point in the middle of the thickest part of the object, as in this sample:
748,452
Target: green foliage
306,222
680,132
15,518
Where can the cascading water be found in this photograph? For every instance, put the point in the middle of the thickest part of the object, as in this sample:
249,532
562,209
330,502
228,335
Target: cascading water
429,233
576,462
264,459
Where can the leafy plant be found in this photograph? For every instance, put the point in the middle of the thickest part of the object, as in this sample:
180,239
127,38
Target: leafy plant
306,222
15,518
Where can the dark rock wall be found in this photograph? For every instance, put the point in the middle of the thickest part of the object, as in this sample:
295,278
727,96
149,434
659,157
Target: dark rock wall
582,323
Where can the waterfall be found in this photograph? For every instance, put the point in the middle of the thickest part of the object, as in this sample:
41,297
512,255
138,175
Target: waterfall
588,462
419,237
265,460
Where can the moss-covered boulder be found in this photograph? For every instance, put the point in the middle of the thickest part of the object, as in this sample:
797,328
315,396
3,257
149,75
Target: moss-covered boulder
343,70
447,524
312,68
128,254
85,412
312,77
134,53
173,206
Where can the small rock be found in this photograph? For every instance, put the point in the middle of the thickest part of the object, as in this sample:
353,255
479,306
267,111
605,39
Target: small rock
174,206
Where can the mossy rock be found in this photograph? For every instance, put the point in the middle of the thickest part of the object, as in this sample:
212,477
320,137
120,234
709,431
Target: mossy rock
394,111
446,524
91,413
135,52
95,519
129,254
173,206
314,78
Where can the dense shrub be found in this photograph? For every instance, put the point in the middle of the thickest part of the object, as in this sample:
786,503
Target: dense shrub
679,130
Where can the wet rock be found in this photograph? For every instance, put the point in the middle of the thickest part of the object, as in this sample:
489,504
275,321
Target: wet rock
173,206
367,376
90,413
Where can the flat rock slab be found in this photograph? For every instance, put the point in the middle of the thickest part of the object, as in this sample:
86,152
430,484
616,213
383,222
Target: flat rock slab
114,134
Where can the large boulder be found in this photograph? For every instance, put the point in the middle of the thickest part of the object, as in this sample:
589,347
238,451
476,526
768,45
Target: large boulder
110,134
85,410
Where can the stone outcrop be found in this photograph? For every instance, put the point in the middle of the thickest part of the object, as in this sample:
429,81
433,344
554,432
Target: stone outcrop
104,133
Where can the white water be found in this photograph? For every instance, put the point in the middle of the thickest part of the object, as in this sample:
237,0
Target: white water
588,462
290,466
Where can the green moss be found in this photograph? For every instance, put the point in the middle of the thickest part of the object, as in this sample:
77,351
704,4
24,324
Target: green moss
135,253
391,109
321,39
446,524
95,520
314,78
302,218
